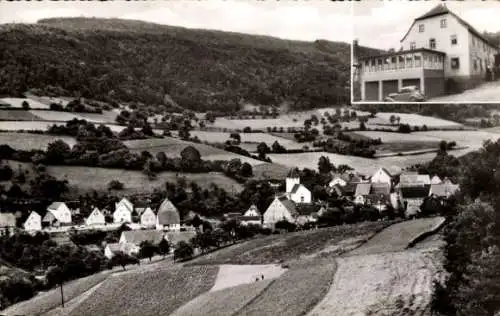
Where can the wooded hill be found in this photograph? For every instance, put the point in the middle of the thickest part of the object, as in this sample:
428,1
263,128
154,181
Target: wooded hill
134,61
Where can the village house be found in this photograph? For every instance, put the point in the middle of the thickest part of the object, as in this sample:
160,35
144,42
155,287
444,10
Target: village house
33,223
377,194
131,240
436,180
412,198
382,176
411,179
7,224
148,218
58,214
95,218
168,217
296,191
280,209
445,189
123,211
440,52
251,216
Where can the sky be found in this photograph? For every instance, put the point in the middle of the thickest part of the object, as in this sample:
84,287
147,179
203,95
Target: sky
382,24
306,20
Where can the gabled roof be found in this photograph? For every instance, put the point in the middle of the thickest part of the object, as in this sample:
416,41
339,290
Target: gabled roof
414,179
436,180
441,9
125,202
288,204
296,187
380,188
415,192
148,210
363,189
137,236
7,220
174,237
55,205
168,213
253,207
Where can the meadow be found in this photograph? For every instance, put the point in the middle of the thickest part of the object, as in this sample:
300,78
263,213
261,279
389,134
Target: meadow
287,247
17,115
156,292
88,179
18,103
56,115
251,138
383,118
28,141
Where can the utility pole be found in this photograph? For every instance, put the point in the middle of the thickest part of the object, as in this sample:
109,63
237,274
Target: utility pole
62,294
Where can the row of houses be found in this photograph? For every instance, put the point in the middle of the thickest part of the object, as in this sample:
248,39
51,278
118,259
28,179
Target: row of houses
58,214
380,191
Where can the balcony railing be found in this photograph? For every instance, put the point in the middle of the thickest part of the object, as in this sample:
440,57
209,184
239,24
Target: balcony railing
418,59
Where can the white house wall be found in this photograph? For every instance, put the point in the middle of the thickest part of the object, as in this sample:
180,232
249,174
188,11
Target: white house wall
432,29
277,212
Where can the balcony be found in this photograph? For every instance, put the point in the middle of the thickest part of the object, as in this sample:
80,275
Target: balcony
403,64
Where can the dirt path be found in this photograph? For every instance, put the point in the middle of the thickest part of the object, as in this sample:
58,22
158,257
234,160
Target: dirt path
396,283
232,275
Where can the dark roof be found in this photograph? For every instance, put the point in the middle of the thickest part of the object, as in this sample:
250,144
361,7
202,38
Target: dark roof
250,218
363,189
168,213
289,205
441,9
55,205
304,209
380,188
415,192
422,49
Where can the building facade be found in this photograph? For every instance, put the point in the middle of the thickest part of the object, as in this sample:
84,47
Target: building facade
440,53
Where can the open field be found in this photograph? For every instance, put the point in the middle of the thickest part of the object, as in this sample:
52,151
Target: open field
105,117
17,115
397,283
49,300
232,275
287,247
224,302
413,120
362,165
87,178
405,147
400,137
56,115
294,293
473,139
43,125
253,138
173,148
157,292
28,141
18,103
270,171
397,237
285,121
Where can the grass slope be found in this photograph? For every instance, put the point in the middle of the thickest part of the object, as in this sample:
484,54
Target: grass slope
156,292
17,115
287,247
224,302
28,141
201,69
294,293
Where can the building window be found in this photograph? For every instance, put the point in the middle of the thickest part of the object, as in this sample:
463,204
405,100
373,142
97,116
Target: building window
401,61
453,40
475,64
418,61
409,61
301,198
379,67
393,62
455,63
420,28
413,45
443,23
432,43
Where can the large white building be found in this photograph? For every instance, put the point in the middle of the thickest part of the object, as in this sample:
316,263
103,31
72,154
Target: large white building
439,53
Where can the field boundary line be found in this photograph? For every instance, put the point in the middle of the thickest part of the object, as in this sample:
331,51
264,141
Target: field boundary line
335,266
346,254
254,298
426,234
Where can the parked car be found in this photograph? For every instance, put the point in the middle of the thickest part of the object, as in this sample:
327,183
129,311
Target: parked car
406,94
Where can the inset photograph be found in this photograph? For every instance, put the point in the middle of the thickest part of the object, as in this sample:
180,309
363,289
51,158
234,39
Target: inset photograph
430,51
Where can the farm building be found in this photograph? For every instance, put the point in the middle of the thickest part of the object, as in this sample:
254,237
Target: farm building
95,218
436,180
376,194
409,179
7,224
132,239
444,189
251,216
33,223
58,214
280,209
412,198
168,217
123,211
381,176
148,218
296,191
